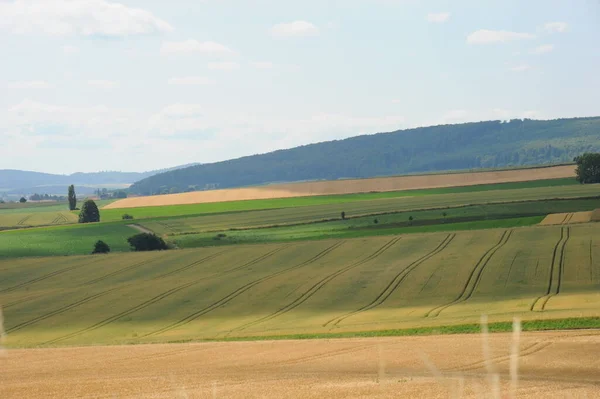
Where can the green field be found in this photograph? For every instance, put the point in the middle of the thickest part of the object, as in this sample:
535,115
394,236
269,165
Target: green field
313,287
63,240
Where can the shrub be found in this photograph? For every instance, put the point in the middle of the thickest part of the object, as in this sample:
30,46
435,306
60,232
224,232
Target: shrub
89,212
101,248
375,221
343,215
127,217
147,242
23,200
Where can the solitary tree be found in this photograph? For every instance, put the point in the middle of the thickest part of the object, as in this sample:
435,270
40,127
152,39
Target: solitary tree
101,248
89,212
410,220
343,215
72,198
588,168
23,200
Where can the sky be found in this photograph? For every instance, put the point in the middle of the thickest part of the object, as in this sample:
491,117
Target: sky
137,85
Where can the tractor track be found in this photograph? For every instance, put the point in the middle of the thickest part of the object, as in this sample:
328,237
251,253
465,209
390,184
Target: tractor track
47,276
558,256
394,283
316,287
124,270
241,290
474,277
157,298
24,220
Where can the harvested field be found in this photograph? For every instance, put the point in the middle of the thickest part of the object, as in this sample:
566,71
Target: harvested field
551,365
310,287
567,218
33,219
337,187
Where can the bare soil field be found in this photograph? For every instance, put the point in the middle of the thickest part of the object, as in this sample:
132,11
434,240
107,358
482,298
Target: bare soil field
567,218
550,365
382,184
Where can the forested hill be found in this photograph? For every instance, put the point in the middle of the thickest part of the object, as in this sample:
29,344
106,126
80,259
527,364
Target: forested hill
448,147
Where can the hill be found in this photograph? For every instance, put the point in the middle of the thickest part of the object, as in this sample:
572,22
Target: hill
491,144
27,182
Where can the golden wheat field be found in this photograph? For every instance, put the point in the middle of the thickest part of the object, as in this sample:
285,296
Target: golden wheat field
567,218
549,365
348,187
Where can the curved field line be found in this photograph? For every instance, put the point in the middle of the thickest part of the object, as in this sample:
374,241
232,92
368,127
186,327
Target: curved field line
58,311
47,276
20,301
23,220
333,353
539,303
239,291
123,270
155,299
561,269
528,351
395,283
191,265
474,277
316,287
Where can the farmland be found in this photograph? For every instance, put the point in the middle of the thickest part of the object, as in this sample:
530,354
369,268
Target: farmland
353,186
23,220
551,363
313,287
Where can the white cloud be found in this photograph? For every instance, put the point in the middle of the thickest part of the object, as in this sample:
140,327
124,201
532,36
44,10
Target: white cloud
294,29
70,49
81,17
33,84
103,84
484,36
262,65
438,17
224,66
195,46
521,68
556,27
191,81
543,49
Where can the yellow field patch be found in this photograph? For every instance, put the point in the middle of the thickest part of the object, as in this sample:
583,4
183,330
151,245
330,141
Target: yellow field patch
567,218
335,187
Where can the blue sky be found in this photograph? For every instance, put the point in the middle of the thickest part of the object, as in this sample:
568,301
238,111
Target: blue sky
134,85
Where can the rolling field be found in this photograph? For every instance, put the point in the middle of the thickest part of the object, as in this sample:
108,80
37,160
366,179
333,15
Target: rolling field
337,187
550,365
329,286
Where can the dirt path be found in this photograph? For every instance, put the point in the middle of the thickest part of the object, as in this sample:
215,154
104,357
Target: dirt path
140,228
552,365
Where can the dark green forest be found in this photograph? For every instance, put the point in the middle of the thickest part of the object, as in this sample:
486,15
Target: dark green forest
491,144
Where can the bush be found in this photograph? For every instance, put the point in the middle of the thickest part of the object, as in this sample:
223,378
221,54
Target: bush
127,217
101,248
375,221
89,212
343,215
23,200
147,242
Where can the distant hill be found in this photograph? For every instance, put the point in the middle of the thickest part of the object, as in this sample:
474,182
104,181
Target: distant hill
25,182
491,144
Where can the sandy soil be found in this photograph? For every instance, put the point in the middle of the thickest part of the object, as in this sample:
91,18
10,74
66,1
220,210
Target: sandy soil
551,365
567,218
348,187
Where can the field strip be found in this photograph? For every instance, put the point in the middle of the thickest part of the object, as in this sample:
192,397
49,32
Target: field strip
316,287
241,290
395,283
157,298
47,276
558,256
475,276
